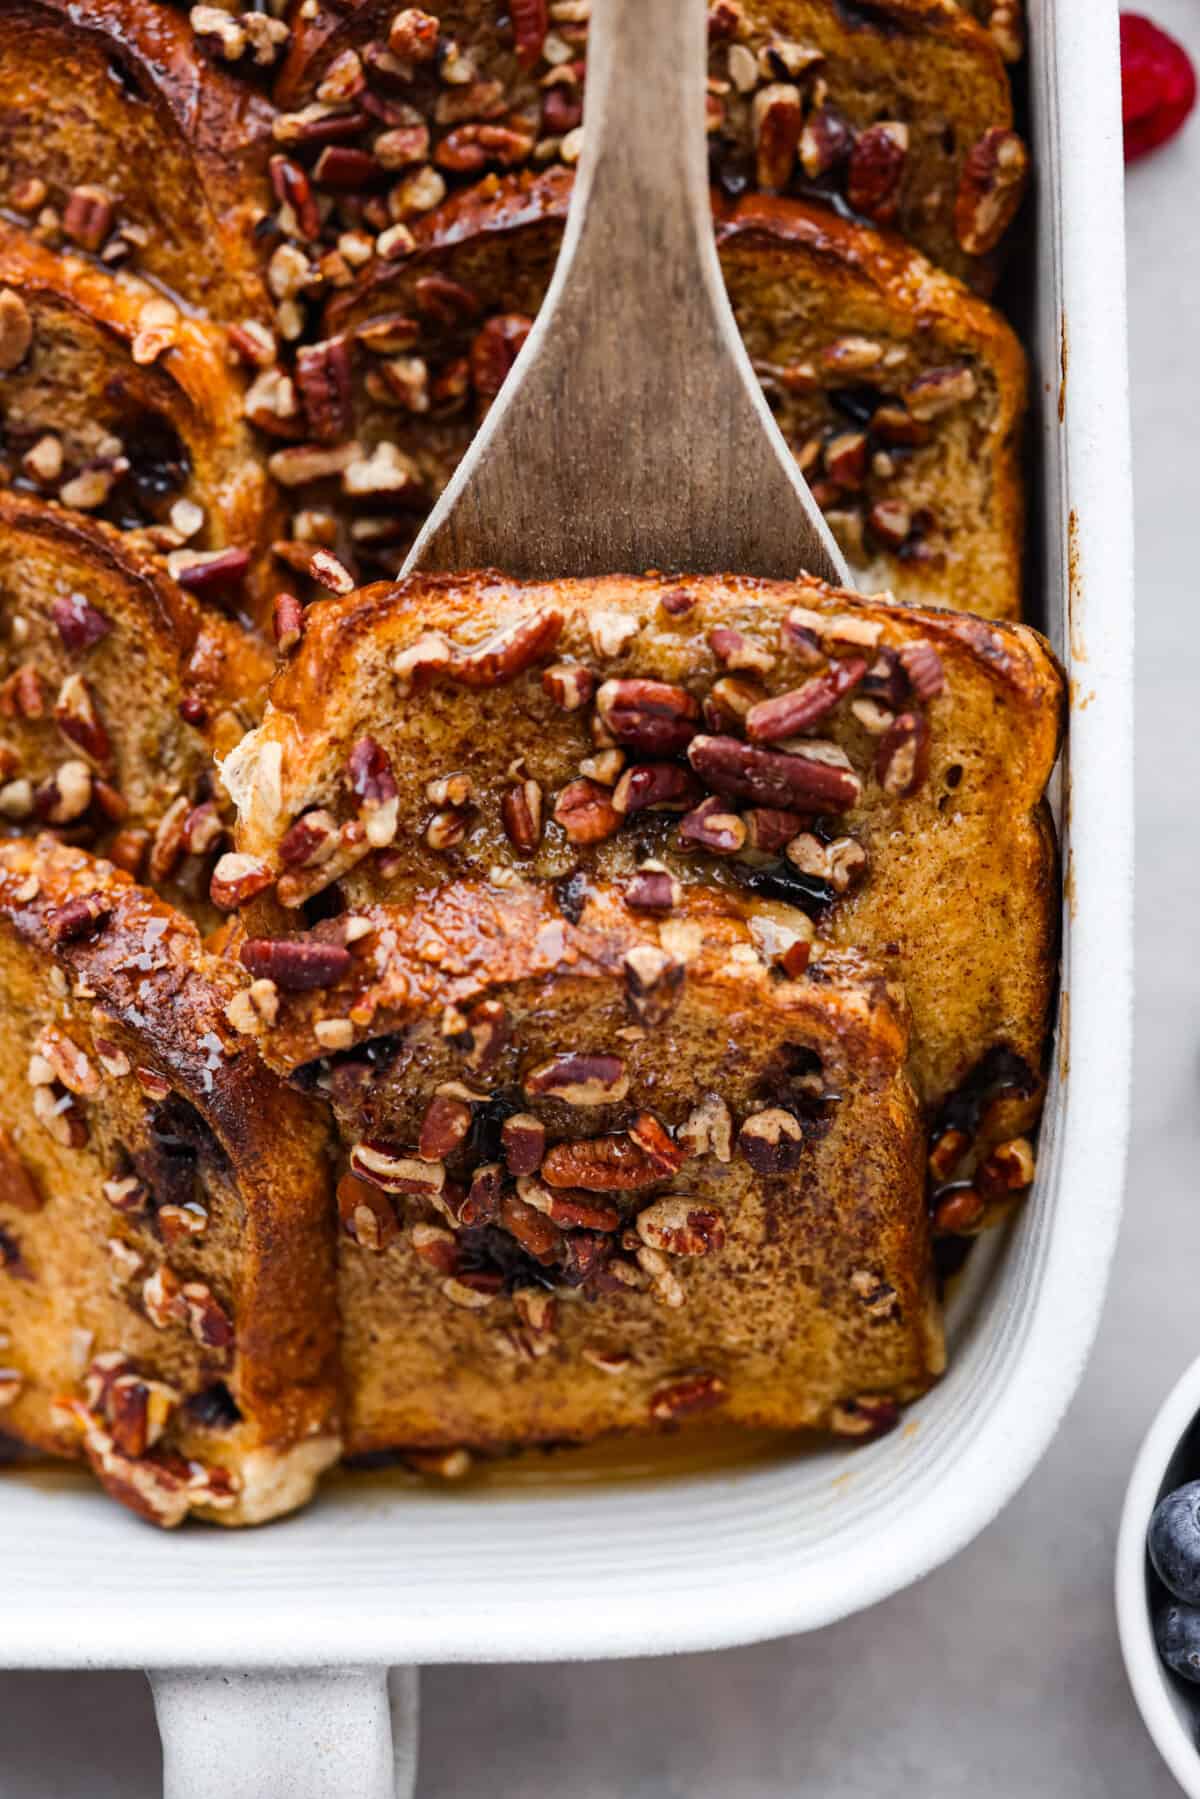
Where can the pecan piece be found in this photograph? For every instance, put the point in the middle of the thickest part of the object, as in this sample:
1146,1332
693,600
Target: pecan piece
534,1231
494,349
78,721
322,373
521,812
529,27
653,717
772,1141
876,170
367,1215
16,330
693,1393
653,980
508,652
393,1171
569,684
770,830
778,117
78,918
940,390
870,1415
825,141
652,889
1009,1169
586,813
902,761
791,712
712,826
413,35
990,190
437,1247
615,1163
88,216
18,1189
238,878
295,964
80,624
523,1141
443,1128
487,1033
771,778
654,786
578,1080
923,666
138,1412
681,1226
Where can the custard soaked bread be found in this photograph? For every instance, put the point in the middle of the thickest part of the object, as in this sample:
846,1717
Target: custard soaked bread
877,768
604,1173
115,689
895,112
900,395
116,404
166,1245
118,137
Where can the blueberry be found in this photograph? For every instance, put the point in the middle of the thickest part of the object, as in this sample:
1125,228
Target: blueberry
1174,1542
1177,1633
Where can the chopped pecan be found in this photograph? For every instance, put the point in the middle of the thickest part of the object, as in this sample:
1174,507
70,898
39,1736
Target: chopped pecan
162,1298
529,27
523,1141
445,1125
295,964
616,1163
16,330
772,1141
654,786
533,1229
238,878
653,980
77,719
708,1128
521,811
367,1215
77,918
712,826
902,761
769,829
770,778
825,141
19,1190
88,216
470,1293
870,1415
138,1411
778,117
167,845
578,1080
569,684
389,1168
734,649
990,189
494,349
310,840
341,168
509,651
652,889
413,35
923,666
447,302
436,1246
487,1033
181,1224
67,1063
891,521
80,624
66,795
804,706
876,170
586,813
653,717
681,1226
482,1203
693,1393
1010,1168
845,458
201,572
958,1211
940,390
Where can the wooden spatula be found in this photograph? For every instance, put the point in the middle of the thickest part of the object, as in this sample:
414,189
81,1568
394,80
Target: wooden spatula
631,432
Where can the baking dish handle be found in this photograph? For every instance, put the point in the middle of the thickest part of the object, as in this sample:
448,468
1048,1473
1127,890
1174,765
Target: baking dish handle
287,1733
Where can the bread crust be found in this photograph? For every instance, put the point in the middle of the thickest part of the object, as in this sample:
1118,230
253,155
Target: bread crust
865,351
139,1000
186,165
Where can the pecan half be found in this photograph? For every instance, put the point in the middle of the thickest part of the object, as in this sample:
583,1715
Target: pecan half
77,918
770,778
654,786
586,813
533,1230
990,189
795,711
653,717
712,826
923,666
508,652
394,1171
444,1126
612,1164
578,1080
902,761
295,964
521,813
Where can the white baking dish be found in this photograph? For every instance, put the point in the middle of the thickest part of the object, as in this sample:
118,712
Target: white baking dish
376,1574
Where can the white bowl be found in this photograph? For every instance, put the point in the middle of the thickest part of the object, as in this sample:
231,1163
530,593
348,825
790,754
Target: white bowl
1169,1456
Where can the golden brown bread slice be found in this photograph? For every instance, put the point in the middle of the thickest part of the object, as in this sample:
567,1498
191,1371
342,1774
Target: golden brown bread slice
166,1253
881,768
115,689
605,1173
901,395
888,110
115,403
119,137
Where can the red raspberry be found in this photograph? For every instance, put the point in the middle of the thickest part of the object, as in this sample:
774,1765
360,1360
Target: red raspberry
1158,85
